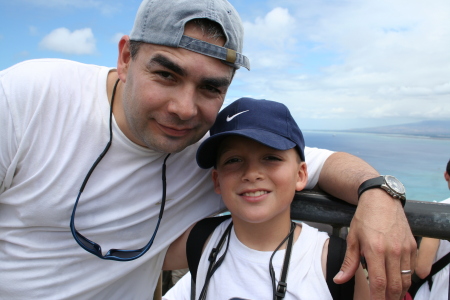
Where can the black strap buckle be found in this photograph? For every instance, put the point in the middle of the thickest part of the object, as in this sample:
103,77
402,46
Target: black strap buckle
213,255
281,289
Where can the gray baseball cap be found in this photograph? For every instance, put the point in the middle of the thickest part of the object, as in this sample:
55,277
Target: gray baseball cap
162,22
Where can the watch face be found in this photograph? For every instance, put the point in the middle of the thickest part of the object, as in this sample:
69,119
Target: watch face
395,184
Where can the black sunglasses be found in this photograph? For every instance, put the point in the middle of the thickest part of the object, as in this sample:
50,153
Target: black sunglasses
94,248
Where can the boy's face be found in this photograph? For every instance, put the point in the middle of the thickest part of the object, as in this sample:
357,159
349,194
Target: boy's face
257,183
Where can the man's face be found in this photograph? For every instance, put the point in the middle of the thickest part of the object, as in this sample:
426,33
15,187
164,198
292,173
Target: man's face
171,96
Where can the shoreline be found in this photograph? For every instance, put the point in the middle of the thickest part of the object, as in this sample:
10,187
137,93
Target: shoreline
404,135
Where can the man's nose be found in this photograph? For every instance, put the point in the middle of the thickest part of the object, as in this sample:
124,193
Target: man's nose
183,104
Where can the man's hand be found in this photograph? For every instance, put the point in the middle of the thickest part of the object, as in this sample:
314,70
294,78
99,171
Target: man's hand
380,232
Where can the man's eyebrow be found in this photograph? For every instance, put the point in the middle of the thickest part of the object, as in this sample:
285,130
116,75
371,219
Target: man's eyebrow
168,64
216,82
174,67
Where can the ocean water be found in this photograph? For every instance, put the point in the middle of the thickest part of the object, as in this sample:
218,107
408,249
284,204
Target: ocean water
419,162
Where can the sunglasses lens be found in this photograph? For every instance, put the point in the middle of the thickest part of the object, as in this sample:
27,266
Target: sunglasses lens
124,254
88,244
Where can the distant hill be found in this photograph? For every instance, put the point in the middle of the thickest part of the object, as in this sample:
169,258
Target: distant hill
435,129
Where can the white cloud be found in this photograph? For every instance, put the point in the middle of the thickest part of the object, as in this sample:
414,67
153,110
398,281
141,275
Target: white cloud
369,59
269,38
274,29
78,42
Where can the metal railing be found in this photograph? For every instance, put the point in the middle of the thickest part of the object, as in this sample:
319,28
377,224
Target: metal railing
428,219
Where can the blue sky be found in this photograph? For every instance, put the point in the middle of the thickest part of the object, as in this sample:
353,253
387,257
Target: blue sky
336,64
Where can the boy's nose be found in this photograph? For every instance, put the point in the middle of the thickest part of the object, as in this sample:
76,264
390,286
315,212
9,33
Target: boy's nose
252,173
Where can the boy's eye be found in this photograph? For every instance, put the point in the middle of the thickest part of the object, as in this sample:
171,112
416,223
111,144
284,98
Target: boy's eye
272,157
231,161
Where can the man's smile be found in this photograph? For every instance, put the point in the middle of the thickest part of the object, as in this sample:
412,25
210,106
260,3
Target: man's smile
175,131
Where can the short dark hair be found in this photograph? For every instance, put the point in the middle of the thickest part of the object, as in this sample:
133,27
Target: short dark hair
209,28
448,167
134,48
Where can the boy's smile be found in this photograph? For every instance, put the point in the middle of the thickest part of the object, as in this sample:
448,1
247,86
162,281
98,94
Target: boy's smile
254,196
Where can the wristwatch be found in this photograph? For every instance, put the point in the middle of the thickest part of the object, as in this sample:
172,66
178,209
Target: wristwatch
389,183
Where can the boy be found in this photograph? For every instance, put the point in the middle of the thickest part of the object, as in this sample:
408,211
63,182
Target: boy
256,149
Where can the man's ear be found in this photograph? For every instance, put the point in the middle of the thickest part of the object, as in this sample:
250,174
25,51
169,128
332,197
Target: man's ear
446,176
302,178
215,178
124,58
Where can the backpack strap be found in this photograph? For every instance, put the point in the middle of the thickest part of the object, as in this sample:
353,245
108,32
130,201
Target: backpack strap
416,281
196,240
335,257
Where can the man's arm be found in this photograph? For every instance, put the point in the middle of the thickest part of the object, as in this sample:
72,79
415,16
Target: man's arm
8,141
379,230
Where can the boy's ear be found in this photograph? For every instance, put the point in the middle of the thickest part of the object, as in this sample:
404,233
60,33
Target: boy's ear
215,178
302,178
446,176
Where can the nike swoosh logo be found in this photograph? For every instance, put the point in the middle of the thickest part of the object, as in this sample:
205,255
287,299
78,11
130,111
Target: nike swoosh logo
234,116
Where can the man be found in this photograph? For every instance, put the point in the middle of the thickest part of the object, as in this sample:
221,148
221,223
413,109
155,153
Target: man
168,87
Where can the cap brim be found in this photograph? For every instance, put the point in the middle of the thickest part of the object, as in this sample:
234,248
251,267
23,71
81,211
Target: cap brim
207,152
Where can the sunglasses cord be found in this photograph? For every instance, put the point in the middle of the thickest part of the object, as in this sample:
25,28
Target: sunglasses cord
280,291
96,249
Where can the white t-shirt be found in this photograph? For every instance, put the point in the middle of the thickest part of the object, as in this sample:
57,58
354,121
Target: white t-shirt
54,117
244,273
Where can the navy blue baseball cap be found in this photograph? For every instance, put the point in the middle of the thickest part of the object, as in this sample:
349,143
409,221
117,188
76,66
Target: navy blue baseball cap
267,122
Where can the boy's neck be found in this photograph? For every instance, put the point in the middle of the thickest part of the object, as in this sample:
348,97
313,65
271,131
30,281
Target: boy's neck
264,236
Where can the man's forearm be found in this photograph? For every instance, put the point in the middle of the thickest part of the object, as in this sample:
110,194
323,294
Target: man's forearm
342,174
379,229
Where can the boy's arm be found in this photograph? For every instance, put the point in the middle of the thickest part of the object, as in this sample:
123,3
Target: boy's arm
379,229
427,252
176,254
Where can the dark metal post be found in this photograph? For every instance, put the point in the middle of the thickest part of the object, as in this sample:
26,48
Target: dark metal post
428,219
